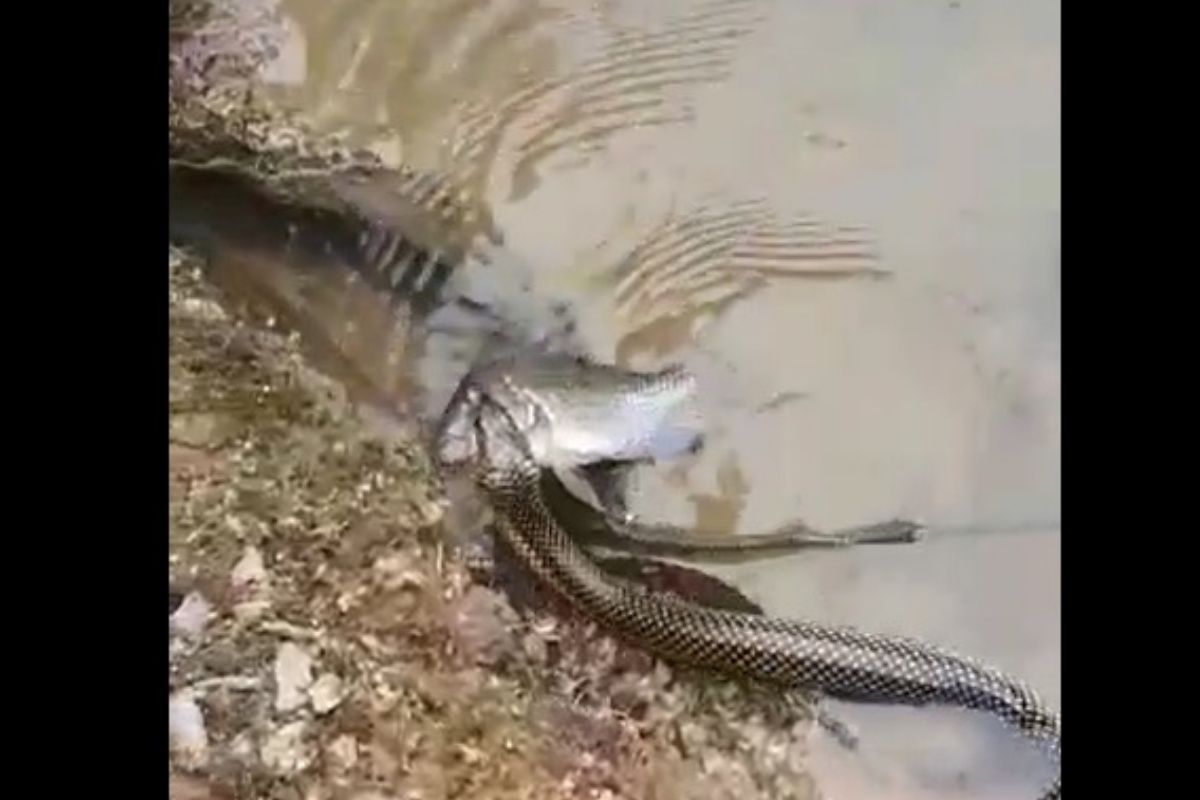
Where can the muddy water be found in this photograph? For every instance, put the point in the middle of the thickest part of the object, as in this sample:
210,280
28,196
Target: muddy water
845,215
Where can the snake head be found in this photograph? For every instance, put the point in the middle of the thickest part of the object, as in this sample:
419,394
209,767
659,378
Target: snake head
514,412
456,441
479,431
504,449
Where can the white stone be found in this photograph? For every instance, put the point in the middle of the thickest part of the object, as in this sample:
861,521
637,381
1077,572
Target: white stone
293,675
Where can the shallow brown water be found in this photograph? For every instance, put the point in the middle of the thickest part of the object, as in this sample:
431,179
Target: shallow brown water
844,215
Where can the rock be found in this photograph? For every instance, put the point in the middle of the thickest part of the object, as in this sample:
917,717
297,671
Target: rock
250,583
250,610
249,574
480,623
285,751
343,752
242,748
199,429
326,693
293,675
189,739
287,630
202,309
176,600
398,571
535,648
191,616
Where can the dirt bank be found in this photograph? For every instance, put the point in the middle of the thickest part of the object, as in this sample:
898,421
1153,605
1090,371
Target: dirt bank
326,643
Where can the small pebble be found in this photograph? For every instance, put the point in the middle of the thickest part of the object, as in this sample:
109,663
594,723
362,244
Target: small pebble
343,752
189,739
285,752
293,675
325,693
534,647
242,747
191,616
249,572
202,309
290,631
250,610
196,430
397,571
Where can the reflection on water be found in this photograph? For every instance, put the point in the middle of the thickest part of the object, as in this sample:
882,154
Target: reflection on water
693,267
693,176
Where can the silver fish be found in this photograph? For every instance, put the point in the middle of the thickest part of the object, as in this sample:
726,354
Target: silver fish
589,422
575,412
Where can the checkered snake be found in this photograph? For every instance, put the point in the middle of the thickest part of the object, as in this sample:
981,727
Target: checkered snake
491,438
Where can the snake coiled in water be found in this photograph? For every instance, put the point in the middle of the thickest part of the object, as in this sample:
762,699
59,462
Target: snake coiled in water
837,662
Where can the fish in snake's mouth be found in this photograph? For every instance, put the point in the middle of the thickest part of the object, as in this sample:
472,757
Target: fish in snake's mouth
572,413
488,427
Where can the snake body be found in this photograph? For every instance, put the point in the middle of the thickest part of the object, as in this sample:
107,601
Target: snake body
838,662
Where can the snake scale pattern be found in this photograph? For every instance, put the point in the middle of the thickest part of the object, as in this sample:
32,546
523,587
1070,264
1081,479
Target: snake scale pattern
837,662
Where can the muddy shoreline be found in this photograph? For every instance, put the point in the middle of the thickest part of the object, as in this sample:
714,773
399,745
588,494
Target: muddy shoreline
326,639
326,642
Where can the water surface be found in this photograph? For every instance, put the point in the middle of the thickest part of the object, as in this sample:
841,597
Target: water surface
845,215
